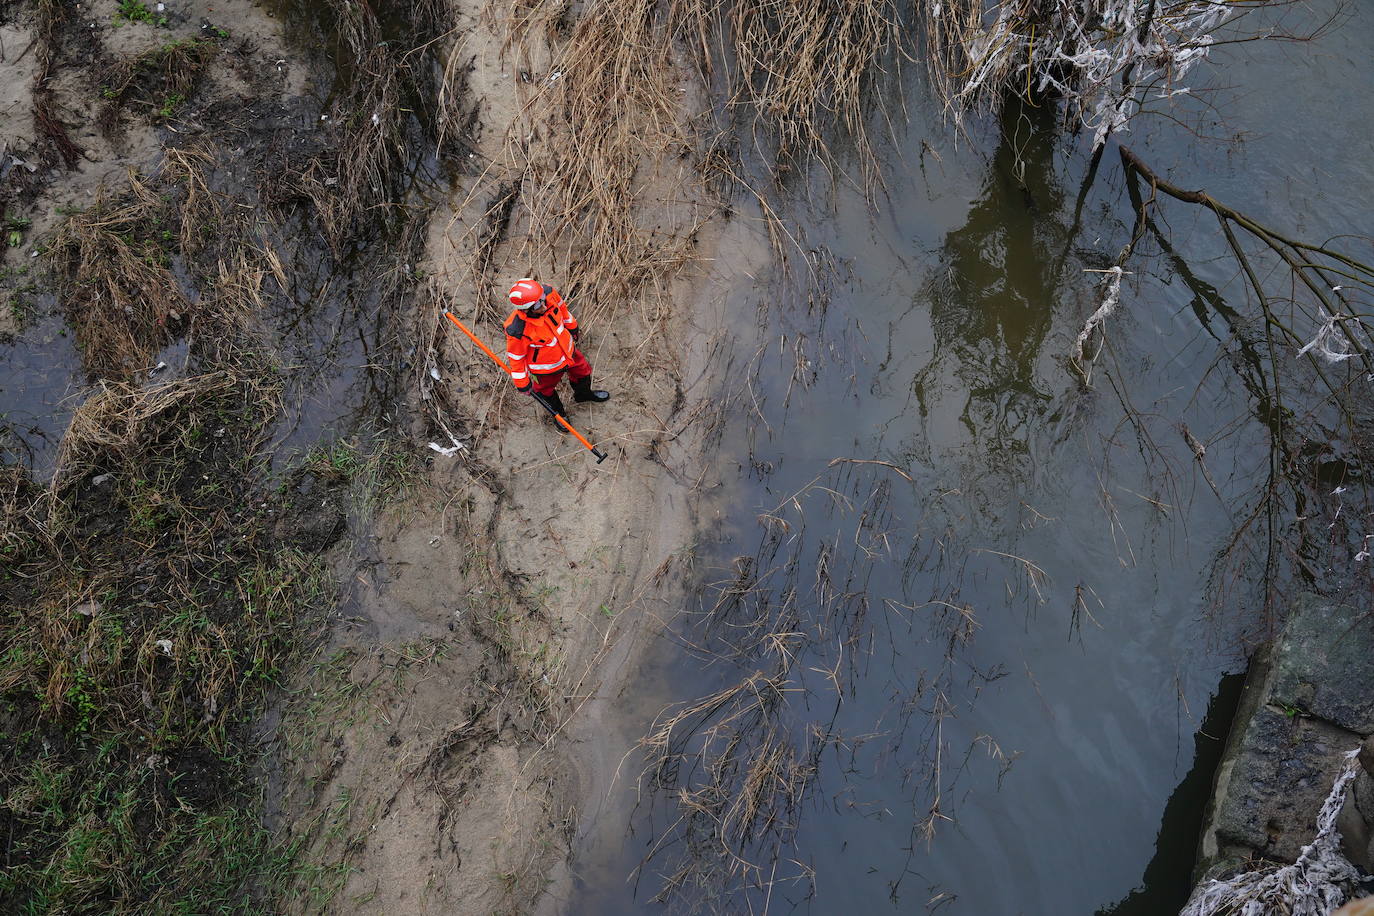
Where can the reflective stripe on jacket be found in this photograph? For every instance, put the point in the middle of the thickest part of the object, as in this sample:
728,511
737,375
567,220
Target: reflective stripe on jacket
539,345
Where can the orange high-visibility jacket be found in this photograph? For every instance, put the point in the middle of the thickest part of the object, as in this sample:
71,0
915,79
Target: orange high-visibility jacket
542,344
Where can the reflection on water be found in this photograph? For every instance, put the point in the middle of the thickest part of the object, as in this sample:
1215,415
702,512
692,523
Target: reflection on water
961,674
996,278
945,660
1168,878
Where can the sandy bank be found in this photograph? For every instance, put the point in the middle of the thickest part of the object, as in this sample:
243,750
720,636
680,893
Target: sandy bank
503,604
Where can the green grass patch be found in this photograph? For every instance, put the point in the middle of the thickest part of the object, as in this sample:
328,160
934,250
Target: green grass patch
143,618
373,473
137,11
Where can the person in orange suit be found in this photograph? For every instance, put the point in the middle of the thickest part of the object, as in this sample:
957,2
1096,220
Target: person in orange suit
541,345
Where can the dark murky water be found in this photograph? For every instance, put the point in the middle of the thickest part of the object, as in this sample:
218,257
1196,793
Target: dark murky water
1008,631
40,376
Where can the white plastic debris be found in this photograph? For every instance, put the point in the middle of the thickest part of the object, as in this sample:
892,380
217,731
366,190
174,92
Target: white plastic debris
1104,311
434,374
447,452
165,645
1338,337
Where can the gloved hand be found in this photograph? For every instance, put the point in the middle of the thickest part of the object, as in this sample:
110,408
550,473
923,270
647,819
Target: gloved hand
528,389
576,333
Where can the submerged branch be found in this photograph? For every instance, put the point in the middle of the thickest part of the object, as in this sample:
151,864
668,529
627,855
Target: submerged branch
1292,253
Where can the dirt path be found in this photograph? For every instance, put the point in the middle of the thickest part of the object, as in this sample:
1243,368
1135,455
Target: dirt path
480,654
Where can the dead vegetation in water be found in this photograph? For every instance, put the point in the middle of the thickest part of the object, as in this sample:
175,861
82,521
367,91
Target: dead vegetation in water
789,640
356,184
805,74
116,264
740,781
113,263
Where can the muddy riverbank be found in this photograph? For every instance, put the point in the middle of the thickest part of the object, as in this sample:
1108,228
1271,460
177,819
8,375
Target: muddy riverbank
282,197
293,572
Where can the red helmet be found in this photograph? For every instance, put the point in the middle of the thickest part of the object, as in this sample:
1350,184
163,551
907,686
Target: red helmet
525,292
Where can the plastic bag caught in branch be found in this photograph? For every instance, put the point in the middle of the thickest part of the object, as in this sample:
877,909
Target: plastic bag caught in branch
1094,54
1333,343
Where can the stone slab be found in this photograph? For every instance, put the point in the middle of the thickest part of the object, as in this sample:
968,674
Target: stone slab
1324,664
1282,772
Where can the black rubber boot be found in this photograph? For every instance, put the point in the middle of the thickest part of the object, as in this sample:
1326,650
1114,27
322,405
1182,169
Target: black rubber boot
583,391
556,403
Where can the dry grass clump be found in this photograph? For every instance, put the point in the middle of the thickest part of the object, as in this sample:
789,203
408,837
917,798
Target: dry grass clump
346,186
113,266
596,186
121,268
389,80
800,70
202,213
116,423
20,503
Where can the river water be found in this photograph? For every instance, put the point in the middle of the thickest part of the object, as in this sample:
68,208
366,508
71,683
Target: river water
978,650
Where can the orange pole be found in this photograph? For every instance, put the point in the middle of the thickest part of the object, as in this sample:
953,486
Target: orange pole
474,338
562,420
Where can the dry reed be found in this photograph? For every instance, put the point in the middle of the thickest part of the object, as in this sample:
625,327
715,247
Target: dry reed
113,266
801,70
355,186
